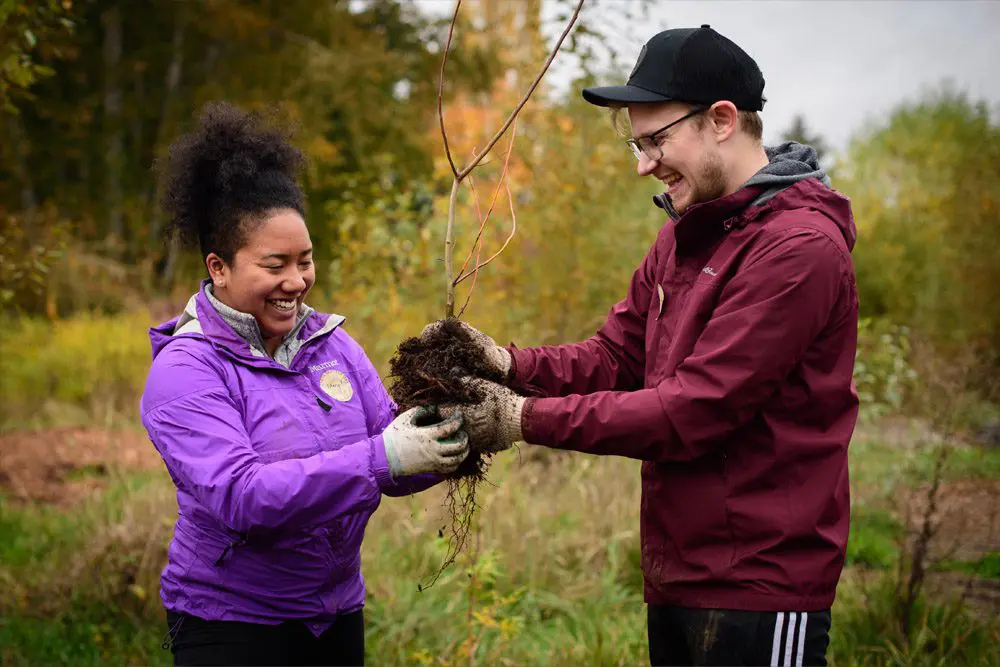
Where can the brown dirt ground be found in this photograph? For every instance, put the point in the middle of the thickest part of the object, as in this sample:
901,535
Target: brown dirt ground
59,466
966,527
967,519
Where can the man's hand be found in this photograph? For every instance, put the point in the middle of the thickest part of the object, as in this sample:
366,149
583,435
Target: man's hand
494,424
497,357
413,449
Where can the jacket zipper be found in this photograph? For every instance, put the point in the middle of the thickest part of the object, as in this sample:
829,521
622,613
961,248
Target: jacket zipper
230,547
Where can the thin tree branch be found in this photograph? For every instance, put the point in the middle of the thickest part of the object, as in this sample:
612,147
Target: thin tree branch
496,193
478,243
520,105
472,287
460,175
444,61
510,237
501,183
477,247
479,214
449,244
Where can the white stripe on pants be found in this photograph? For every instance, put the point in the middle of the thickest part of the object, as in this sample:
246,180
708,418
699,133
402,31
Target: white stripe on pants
779,622
790,636
790,639
802,638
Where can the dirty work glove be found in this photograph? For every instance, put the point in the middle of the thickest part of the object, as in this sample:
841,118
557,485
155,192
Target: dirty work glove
494,424
497,357
413,449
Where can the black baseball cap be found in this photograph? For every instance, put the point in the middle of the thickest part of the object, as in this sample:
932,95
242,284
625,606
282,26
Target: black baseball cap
696,65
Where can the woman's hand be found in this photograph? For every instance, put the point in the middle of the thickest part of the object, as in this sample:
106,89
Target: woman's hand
412,449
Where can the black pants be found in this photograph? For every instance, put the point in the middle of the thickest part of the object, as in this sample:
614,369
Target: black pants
682,636
195,641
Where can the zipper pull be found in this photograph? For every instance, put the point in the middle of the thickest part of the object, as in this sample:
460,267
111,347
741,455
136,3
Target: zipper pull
225,552
229,548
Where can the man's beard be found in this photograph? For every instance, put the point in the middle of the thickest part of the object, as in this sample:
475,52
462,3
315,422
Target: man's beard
711,183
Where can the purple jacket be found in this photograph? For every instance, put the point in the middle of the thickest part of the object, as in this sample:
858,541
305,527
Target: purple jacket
277,469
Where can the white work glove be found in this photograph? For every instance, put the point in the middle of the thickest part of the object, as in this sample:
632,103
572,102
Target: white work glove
494,424
413,449
497,357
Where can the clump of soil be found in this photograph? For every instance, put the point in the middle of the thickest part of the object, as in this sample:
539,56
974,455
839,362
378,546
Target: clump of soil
429,372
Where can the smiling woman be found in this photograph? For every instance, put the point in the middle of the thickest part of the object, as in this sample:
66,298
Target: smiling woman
270,418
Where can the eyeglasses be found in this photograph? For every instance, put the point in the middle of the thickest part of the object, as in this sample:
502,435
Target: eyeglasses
649,145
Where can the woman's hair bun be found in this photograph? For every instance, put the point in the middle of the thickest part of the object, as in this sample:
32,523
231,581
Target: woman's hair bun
225,175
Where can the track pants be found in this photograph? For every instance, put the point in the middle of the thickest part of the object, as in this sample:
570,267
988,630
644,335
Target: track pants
684,636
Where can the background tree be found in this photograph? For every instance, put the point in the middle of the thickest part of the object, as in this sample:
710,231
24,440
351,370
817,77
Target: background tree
28,31
356,79
925,188
800,132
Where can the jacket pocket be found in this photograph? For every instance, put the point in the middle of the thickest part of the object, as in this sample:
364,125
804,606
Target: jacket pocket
344,538
686,519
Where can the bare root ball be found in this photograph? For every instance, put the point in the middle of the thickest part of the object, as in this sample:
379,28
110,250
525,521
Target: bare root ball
429,372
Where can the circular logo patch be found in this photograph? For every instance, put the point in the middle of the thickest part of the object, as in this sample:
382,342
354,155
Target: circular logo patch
337,386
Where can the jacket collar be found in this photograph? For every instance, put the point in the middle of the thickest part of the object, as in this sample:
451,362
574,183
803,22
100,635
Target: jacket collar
202,317
706,221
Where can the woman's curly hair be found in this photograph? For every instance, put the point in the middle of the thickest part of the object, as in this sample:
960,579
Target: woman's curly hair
225,176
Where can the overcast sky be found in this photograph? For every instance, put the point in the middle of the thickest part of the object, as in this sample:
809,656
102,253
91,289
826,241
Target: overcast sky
840,62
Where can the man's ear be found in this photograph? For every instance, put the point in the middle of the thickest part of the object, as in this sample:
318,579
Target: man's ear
217,269
724,118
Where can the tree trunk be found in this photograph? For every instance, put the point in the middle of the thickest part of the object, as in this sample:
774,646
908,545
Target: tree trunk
170,266
112,21
29,202
170,85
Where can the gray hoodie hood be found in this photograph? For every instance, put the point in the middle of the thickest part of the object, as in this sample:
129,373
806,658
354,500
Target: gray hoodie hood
789,163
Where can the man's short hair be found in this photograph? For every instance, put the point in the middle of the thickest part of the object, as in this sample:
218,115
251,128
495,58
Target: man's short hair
752,124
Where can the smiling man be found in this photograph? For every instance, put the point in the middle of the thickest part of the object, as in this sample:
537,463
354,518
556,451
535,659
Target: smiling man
727,369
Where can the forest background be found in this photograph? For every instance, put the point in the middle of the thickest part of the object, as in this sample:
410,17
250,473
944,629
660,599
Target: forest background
92,92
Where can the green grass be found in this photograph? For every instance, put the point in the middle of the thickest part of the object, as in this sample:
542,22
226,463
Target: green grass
967,463
874,538
865,632
987,567
84,635
879,467
72,371
555,580
552,580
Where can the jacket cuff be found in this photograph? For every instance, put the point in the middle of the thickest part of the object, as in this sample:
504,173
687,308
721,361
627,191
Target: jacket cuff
511,379
527,420
380,464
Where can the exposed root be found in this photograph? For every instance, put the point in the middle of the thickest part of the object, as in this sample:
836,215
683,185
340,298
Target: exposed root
429,372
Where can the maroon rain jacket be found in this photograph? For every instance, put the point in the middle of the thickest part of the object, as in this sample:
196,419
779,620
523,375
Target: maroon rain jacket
727,370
